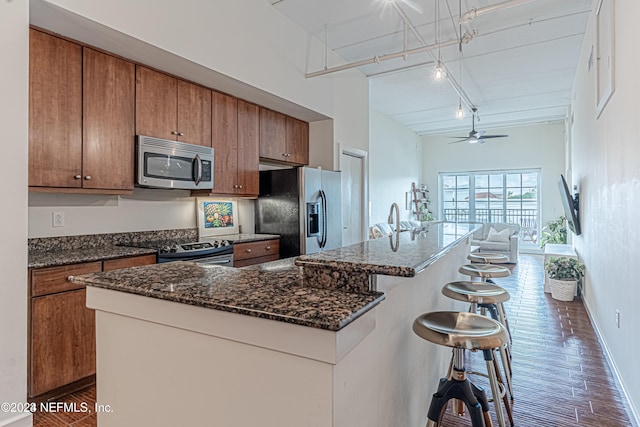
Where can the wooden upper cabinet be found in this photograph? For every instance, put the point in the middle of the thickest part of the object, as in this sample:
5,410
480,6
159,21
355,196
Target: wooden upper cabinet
283,138
236,139
224,123
156,104
194,114
248,148
55,111
169,108
109,122
297,141
273,135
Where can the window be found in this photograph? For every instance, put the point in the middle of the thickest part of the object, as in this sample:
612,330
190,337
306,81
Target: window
493,196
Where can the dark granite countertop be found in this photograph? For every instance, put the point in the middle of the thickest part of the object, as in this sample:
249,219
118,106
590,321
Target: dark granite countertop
404,254
53,258
274,293
77,249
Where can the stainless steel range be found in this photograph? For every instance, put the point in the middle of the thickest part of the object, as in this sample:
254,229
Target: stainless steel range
210,252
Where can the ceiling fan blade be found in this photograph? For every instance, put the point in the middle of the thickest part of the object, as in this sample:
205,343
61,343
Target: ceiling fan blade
464,137
460,140
495,136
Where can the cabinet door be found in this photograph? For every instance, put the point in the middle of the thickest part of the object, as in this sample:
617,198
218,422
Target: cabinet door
63,341
109,122
132,261
248,148
224,123
297,141
156,104
273,135
194,114
55,111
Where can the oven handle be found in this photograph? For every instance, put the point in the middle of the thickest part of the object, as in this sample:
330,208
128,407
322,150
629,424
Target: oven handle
198,176
213,261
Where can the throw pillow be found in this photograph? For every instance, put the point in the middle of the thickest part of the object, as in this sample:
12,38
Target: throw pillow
499,236
384,228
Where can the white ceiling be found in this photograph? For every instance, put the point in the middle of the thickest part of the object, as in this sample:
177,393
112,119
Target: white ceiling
518,69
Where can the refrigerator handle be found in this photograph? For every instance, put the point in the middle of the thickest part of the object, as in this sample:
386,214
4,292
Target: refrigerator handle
323,197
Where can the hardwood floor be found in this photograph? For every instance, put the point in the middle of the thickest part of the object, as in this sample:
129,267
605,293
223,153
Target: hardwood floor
561,377
76,418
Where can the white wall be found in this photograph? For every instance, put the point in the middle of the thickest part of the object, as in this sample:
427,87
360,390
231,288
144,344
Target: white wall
395,155
605,163
527,147
271,58
14,119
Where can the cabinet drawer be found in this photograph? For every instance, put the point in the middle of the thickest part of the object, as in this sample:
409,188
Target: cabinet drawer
54,279
133,261
256,249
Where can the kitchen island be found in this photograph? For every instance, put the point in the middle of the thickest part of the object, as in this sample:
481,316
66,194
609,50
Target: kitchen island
276,344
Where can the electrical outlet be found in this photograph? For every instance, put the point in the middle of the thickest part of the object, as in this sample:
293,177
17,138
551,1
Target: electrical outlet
618,318
58,219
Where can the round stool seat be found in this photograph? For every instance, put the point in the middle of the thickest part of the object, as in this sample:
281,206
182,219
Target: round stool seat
476,292
485,271
488,258
468,331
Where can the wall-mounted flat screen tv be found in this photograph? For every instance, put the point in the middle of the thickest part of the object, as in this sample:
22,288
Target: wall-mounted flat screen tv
571,208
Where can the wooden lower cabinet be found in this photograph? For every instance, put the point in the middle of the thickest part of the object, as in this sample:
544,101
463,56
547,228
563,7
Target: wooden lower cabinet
62,340
251,253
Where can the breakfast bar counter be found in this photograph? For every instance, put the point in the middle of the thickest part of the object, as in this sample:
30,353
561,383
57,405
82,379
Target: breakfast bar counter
278,344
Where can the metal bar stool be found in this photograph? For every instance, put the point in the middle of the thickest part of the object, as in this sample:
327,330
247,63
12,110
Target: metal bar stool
487,297
464,331
487,258
484,271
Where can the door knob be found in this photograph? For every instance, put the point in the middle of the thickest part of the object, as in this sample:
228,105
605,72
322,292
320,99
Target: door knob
88,177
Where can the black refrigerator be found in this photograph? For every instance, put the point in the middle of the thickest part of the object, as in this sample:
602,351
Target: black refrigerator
303,206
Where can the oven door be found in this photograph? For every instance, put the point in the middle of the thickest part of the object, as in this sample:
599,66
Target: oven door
170,164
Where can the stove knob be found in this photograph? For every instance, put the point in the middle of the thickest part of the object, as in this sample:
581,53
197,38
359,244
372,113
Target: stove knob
174,248
216,244
225,243
165,249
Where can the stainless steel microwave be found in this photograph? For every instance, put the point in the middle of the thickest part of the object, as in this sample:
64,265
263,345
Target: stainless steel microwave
162,163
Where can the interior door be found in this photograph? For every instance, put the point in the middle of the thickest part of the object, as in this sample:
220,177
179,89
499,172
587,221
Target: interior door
352,169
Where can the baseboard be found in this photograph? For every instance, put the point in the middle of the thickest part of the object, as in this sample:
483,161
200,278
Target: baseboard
20,420
607,354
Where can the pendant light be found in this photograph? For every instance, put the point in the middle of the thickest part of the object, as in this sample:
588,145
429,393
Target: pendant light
439,72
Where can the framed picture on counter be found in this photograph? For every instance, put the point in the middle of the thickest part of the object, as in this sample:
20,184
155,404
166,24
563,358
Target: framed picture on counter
216,216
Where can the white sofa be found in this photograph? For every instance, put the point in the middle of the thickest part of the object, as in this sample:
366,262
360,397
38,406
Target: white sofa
499,240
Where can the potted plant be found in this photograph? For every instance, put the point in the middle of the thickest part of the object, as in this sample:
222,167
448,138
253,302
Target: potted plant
554,232
564,273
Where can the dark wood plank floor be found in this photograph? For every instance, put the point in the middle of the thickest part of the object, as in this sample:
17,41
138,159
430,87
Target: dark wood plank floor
561,377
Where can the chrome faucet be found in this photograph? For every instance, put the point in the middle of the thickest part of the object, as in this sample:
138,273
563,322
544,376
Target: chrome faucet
394,206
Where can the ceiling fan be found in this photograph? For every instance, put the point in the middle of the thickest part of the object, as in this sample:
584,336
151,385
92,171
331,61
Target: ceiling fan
475,136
